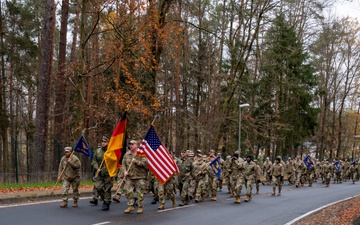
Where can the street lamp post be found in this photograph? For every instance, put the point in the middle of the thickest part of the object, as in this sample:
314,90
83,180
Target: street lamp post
241,106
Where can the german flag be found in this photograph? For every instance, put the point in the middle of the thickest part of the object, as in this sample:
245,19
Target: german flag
116,147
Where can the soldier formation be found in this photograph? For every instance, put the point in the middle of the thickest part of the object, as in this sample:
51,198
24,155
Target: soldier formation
197,179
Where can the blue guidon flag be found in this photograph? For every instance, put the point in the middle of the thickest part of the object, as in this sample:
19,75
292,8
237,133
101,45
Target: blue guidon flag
160,163
83,147
215,166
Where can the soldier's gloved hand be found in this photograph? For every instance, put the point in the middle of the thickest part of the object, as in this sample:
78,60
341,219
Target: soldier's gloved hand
258,181
281,178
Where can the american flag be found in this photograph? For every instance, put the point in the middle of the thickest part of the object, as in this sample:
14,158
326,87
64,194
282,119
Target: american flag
160,162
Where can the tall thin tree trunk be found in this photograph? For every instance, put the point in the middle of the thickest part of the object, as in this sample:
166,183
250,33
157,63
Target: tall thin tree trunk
43,94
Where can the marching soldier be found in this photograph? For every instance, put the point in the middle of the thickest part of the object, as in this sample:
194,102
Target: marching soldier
186,169
289,169
69,173
327,170
298,169
200,172
266,170
212,180
277,173
250,171
237,176
257,176
135,177
354,170
103,182
227,173
166,189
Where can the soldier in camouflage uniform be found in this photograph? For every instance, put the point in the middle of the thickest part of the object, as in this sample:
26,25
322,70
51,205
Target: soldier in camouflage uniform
212,179
327,171
277,173
289,169
299,167
237,176
167,189
354,171
200,172
69,173
153,187
227,173
222,167
250,171
186,168
266,170
135,177
310,173
346,170
103,182
257,176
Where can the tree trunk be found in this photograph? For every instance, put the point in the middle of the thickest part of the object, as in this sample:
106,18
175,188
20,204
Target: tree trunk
43,94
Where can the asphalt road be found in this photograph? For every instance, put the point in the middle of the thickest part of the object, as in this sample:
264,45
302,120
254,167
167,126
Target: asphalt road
263,209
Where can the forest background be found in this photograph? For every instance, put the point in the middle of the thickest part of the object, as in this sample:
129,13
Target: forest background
72,67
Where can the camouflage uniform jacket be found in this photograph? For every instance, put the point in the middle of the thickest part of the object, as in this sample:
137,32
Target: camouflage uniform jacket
200,169
97,160
277,169
299,166
185,167
327,168
72,170
237,168
138,169
267,166
289,167
250,170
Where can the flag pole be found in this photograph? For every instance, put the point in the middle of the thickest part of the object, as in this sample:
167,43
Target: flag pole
97,172
123,180
153,122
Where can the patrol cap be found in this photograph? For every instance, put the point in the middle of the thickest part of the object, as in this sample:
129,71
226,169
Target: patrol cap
255,160
212,151
68,149
104,138
199,151
183,151
190,153
237,152
199,155
228,156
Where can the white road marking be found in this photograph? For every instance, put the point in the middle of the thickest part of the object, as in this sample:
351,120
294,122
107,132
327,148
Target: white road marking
33,203
171,209
102,223
316,210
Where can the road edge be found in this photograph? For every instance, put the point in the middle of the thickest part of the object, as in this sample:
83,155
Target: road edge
317,210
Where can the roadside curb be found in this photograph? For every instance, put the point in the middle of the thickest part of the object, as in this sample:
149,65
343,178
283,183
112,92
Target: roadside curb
33,198
317,210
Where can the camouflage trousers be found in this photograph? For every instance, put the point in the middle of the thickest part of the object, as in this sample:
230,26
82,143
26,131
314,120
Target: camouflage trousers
212,185
298,176
276,181
310,177
184,187
249,184
120,190
167,189
354,177
327,177
291,177
228,183
103,185
201,186
137,186
66,187
236,185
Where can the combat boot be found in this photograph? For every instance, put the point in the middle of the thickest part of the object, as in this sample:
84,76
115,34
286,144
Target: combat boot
247,198
75,204
129,209
140,210
213,198
64,204
105,206
202,198
116,198
237,200
197,199
273,193
94,201
162,206
173,202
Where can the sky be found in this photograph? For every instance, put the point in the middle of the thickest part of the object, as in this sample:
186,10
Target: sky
351,8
